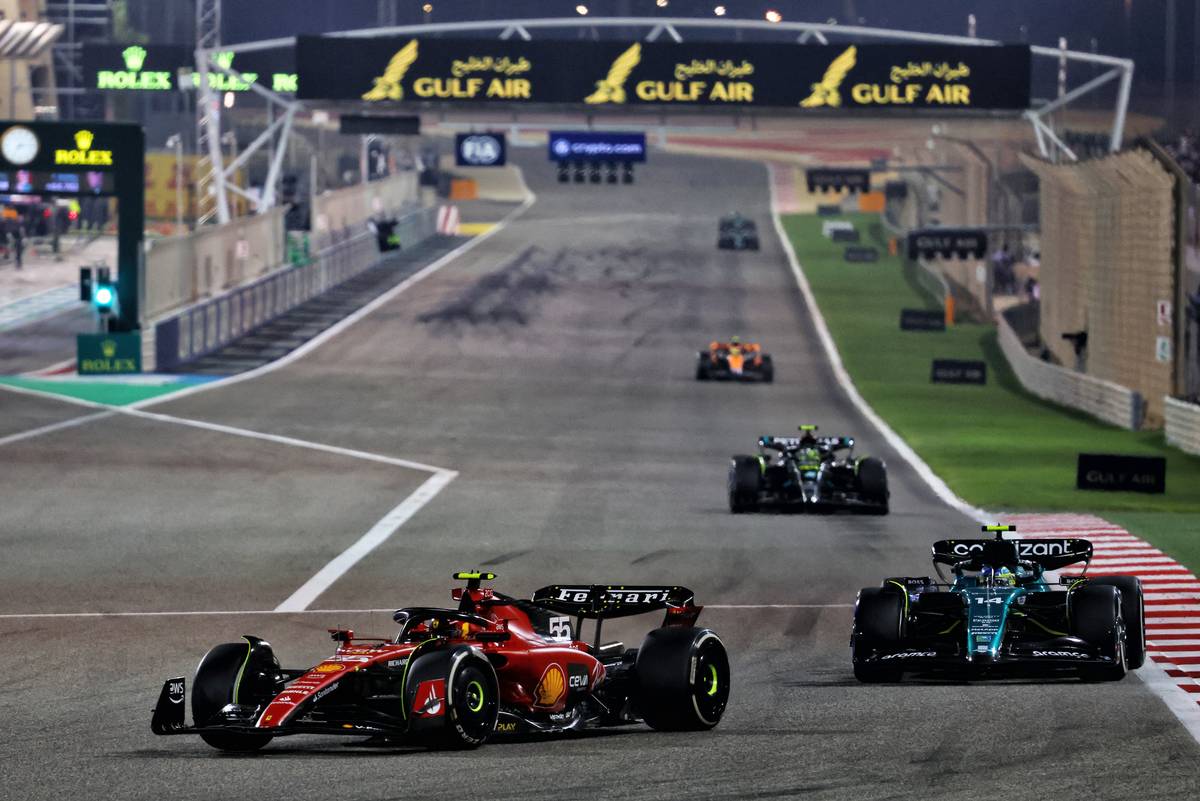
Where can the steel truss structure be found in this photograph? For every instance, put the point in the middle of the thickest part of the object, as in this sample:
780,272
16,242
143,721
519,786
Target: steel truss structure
208,104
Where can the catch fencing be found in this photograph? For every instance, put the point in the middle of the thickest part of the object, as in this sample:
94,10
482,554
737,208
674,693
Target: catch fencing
210,326
1102,399
1107,266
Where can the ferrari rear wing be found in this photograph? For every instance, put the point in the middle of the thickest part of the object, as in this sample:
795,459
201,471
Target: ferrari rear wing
612,600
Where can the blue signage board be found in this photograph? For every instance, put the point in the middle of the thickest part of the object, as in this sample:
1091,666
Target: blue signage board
597,146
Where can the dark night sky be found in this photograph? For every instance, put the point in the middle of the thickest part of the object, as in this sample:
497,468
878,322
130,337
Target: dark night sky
1120,27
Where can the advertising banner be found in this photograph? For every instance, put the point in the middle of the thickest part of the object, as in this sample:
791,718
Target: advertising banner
596,146
108,354
1121,473
480,150
620,74
157,67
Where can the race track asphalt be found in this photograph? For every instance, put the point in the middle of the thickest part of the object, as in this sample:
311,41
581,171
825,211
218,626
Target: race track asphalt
552,367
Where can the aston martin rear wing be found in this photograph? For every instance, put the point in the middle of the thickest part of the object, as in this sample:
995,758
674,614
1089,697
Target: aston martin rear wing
1051,554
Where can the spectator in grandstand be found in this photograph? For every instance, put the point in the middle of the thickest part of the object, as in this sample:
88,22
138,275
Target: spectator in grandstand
1185,149
1004,278
1032,292
18,245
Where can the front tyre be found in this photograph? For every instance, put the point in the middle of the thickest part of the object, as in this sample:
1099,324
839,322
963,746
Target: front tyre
452,698
878,626
1095,615
745,479
683,679
1133,614
872,483
225,675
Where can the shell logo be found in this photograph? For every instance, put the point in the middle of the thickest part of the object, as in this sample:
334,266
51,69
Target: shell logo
329,668
551,687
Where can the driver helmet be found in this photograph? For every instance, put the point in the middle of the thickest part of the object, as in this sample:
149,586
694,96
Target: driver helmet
735,340
997,577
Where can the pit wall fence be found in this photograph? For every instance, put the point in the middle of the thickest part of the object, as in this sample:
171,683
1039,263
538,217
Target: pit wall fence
207,327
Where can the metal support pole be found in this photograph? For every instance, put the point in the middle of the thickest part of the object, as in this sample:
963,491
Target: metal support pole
1118,129
277,162
176,141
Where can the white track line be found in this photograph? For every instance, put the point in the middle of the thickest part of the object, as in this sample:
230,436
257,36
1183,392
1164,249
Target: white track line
281,440
47,429
393,520
281,611
340,326
37,393
376,536
901,447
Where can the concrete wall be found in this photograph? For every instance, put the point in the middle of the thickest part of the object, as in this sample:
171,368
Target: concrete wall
187,269
1104,400
354,205
1182,425
1107,258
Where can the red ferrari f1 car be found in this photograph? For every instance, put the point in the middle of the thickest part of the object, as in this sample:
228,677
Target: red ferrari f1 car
453,678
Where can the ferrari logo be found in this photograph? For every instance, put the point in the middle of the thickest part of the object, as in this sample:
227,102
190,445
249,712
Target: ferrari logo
387,86
826,92
612,88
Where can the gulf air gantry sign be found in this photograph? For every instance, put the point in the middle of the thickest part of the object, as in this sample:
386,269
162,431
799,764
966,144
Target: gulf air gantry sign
621,74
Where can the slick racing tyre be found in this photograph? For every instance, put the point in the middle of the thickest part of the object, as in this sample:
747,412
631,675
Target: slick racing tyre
683,679
1133,613
878,625
745,477
233,673
452,699
872,483
768,370
1095,616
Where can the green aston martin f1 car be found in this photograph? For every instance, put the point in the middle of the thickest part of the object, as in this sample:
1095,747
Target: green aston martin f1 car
1000,613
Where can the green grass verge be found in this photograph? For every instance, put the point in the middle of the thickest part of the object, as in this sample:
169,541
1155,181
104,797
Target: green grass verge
996,446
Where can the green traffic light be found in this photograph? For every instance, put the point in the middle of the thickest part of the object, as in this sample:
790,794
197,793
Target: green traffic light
104,296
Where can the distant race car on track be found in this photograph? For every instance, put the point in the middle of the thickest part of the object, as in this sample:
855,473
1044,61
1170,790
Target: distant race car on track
734,361
807,472
454,678
1001,614
735,232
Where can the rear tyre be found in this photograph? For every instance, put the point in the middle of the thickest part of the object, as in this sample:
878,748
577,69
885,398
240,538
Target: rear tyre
702,367
1095,615
683,679
872,483
217,679
745,477
1133,614
878,625
768,368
